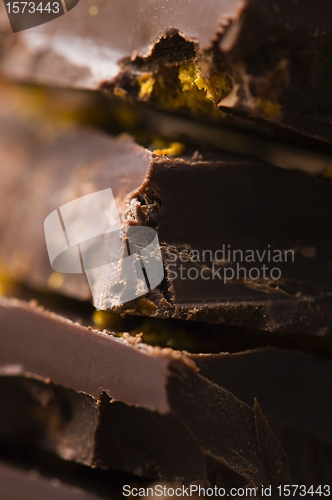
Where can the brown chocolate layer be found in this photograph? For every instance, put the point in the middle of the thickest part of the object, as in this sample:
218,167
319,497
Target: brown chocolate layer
274,55
20,484
290,386
228,442
201,207
149,444
73,356
156,398
49,347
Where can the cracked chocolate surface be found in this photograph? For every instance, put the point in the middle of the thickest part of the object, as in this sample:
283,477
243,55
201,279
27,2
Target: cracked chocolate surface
113,404
76,427
234,388
208,202
274,53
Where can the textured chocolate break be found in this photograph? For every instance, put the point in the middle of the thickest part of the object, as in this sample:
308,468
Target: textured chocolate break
269,59
20,484
163,381
200,206
147,402
185,446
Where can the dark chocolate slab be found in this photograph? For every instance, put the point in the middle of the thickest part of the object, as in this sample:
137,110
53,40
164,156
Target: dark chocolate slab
152,401
161,380
212,202
275,54
151,445
291,387
294,389
238,207
215,446
46,345
18,484
89,161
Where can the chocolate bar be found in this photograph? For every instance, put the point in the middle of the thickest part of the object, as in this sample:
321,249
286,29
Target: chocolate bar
142,396
56,338
162,381
268,60
30,473
243,243
203,241
151,395
292,389
59,346
110,434
20,484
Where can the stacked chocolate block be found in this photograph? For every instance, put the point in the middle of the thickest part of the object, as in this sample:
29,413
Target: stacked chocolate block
220,374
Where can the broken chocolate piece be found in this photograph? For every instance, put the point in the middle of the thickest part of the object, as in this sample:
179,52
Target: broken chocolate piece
129,438
159,380
146,407
244,243
48,469
289,385
268,60
56,342
136,374
133,439
19,484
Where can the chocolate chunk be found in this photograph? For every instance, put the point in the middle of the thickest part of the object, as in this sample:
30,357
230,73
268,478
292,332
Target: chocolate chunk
268,60
240,209
56,342
292,390
25,254
137,440
134,439
244,243
289,385
20,484
55,419
151,403
160,380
